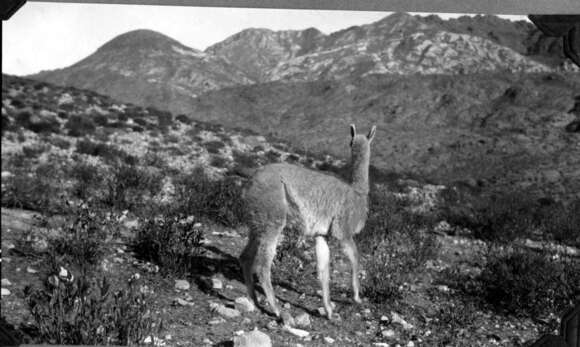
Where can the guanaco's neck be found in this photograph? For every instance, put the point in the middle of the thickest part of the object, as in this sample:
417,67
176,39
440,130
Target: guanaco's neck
360,170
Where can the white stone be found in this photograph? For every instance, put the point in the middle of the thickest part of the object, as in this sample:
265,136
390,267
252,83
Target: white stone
6,282
297,332
5,292
254,338
244,304
181,285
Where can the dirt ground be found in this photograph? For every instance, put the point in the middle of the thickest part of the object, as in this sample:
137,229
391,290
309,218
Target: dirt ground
194,323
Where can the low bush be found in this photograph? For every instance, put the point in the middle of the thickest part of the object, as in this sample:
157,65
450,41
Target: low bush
109,153
82,235
218,200
79,126
129,186
38,190
529,283
214,147
172,240
397,243
88,180
87,311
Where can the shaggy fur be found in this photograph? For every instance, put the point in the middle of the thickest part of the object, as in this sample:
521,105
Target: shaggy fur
319,205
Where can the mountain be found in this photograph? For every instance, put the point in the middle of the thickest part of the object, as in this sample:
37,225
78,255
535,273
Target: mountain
498,131
146,65
399,43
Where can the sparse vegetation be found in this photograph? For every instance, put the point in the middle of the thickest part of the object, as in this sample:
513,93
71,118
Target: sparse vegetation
173,240
79,126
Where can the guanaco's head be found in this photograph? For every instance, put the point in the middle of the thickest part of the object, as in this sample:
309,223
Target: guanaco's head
360,145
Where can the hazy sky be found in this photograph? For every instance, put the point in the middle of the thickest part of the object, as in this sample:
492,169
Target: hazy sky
43,36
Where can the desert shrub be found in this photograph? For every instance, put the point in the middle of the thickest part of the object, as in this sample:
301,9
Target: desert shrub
78,126
137,128
214,147
109,153
36,190
171,139
100,120
82,235
172,240
130,186
452,320
88,179
248,160
17,103
59,142
37,124
218,200
88,311
528,283
34,151
6,123
152,158
501,218
62,115
219,161
561,222
183,119
398,244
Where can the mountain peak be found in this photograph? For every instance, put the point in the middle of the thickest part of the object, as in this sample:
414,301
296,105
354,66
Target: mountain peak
140,39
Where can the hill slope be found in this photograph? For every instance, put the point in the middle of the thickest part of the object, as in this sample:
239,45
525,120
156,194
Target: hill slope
493,129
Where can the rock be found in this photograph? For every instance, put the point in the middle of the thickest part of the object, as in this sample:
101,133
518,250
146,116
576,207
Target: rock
384,318
272,325
31,270
5,292
244,304
254,338
381,344
6,282
303,320
410,344
182,302
396,318
216,321
181,285
321,311
297,332
216,283
443,288
390,333
6,174
328,340
287,318
224,311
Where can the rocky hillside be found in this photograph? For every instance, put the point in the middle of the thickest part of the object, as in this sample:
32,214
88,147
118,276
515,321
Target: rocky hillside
488,130
146,65
143,66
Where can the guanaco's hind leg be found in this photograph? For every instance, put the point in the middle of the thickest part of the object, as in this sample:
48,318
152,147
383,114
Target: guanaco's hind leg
323,263
264,258
247,260
351,251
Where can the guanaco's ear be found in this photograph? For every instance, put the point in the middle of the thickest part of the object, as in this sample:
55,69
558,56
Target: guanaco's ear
352,130
371,134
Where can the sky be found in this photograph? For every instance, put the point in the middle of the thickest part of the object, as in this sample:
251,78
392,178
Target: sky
47,35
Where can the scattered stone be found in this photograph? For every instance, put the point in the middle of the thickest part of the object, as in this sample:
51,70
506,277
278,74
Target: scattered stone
390,333
244,304
381,344
367,311
297,332
6,282
207,341
224,311
321,311
246,321
384,318
118,260
182,302
31,270
5,292
287,318
443,288
254,338
396,318
181,285
272,325
217,321
216,283
303,320
410,344
287,306
328,340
